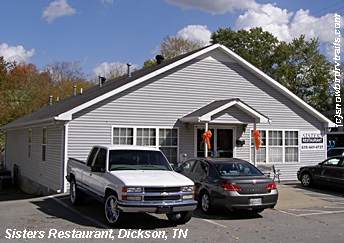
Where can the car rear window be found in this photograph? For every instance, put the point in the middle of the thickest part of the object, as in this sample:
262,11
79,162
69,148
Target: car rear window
237,169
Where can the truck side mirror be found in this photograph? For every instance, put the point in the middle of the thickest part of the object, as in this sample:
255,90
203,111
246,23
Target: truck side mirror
96,168
177,169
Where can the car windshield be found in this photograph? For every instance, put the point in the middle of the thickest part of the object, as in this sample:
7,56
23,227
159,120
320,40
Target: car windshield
335,151
237,169
137,160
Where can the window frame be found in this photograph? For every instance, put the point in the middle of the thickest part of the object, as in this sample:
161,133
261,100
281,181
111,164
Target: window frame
171,156
44,143
284,145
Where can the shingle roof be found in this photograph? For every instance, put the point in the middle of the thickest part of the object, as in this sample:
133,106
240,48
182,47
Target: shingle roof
49,112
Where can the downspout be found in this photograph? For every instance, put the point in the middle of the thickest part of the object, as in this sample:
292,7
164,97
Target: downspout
64,158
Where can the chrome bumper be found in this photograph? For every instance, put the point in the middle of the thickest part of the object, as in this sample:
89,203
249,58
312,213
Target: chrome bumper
157,207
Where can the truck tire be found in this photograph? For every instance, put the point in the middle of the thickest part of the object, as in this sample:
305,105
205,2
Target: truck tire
113,215
77,197
180,217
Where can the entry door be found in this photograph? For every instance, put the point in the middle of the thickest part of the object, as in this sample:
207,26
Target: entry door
221,143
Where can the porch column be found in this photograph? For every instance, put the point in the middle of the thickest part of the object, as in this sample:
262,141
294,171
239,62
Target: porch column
205,142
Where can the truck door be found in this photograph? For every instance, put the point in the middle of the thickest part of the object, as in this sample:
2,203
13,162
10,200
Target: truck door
96,180
86,173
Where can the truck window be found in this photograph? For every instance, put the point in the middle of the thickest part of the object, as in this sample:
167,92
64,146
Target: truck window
101,158
91,157
137,160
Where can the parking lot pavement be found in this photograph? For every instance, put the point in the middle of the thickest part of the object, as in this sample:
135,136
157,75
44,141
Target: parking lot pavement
289,198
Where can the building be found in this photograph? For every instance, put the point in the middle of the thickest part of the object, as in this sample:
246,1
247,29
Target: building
170,106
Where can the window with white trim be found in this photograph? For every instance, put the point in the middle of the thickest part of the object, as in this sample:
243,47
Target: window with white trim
168,144
167,141
291,146
277,146
146,136
123,136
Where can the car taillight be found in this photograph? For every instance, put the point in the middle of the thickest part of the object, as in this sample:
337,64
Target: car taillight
231,187
271,186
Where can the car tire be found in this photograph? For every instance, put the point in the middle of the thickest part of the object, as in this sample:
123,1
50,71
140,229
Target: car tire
112,213
180,217
306,179
206,204
76,196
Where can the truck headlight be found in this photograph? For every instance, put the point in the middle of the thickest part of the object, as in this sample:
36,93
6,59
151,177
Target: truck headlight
188,189
132,189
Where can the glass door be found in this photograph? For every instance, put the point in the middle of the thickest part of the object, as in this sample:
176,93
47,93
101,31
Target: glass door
221,143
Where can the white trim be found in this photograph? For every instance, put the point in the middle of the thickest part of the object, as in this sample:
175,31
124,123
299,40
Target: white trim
215,127
280,87
327,123
283,146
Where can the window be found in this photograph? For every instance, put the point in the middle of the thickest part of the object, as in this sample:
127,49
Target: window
277,147
166,141
291,139
123,136
29,143
146,137
187,165
261,152
168,144
44,144
275,144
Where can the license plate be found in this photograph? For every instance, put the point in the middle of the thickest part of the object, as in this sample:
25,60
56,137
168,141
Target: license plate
163,210
255,201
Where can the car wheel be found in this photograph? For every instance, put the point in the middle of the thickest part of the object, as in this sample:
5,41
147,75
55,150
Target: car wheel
206,205
180,217
76,196
113,215
306,179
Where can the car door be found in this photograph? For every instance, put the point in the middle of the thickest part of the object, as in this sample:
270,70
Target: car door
187,166
328,170
338,173
198,175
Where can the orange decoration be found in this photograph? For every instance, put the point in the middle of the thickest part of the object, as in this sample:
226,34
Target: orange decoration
256,135
207,135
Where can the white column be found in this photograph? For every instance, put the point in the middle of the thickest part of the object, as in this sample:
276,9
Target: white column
205,142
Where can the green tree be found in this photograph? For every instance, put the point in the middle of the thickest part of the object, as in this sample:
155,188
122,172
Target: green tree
255,45
175,46
301,68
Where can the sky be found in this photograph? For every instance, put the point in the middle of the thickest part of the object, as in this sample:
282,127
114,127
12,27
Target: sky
103,33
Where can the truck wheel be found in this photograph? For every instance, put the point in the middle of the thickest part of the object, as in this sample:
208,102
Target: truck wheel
113,215
76,196
180,217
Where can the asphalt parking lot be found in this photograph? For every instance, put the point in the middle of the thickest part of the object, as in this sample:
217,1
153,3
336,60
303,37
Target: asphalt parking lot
301,215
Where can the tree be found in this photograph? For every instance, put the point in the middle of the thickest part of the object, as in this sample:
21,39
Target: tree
255,45
298,65
66,75
175,46
301,68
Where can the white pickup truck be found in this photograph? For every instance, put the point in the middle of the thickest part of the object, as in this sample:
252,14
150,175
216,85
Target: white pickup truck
131,179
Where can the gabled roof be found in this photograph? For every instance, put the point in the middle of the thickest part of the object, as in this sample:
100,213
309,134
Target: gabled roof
64,109
205,113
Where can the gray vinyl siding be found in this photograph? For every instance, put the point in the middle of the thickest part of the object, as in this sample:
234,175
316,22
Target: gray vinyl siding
46,173
159,102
